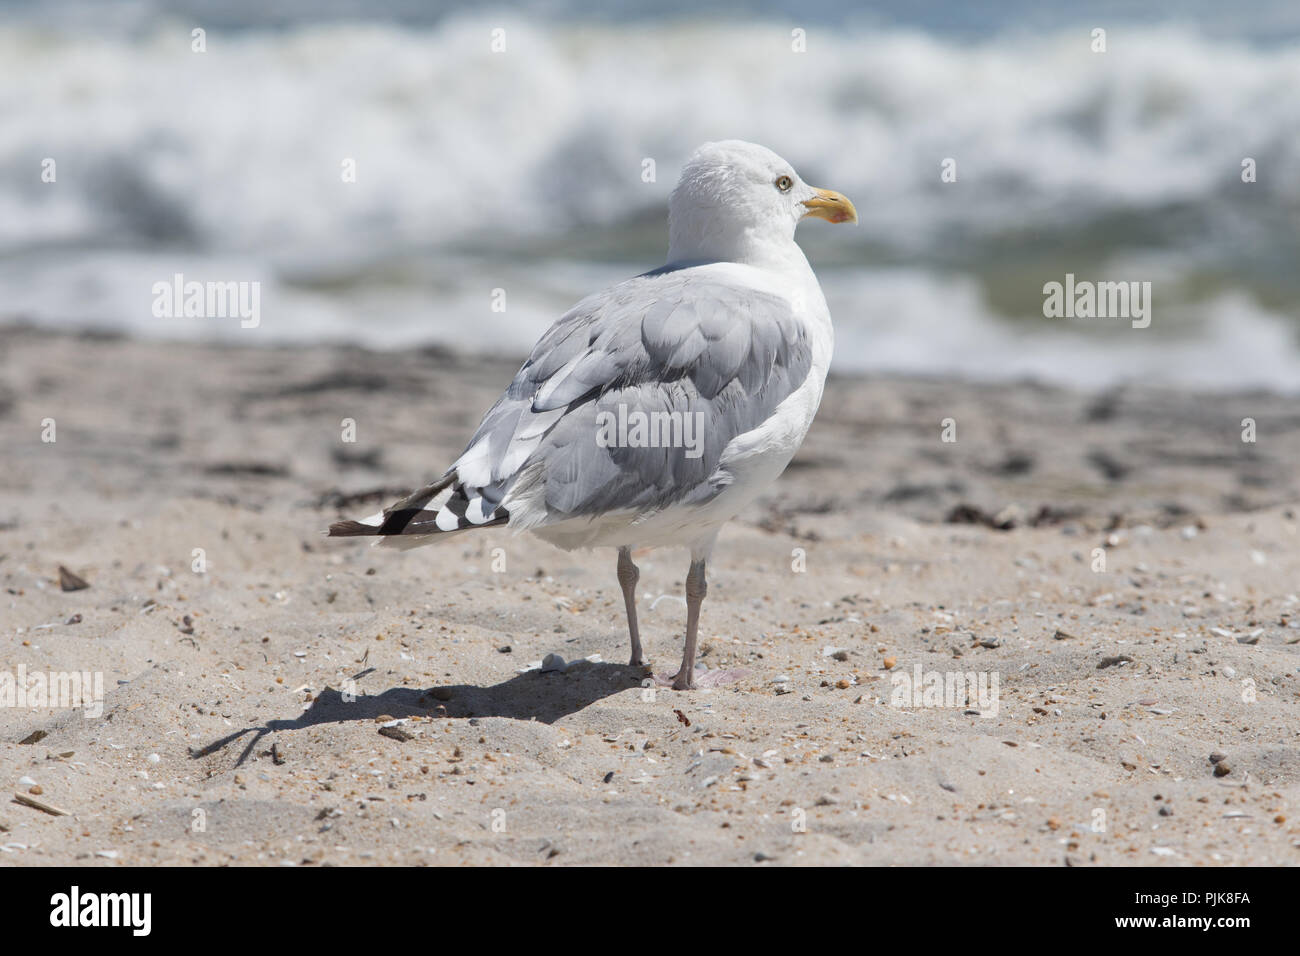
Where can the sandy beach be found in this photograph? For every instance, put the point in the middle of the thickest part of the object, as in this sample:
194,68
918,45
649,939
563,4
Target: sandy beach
1121,566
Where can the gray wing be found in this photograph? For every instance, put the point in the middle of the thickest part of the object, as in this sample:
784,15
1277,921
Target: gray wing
666,342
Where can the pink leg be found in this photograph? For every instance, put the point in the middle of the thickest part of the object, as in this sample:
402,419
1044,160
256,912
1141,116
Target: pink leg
687,677
628,575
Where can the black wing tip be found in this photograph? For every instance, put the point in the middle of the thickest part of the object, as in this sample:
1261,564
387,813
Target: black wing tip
350,529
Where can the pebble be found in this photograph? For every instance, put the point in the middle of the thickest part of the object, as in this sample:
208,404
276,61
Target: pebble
553,662
154,758
26,782
889,663
1221,769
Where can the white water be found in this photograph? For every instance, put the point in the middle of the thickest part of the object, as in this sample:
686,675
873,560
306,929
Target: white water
473,168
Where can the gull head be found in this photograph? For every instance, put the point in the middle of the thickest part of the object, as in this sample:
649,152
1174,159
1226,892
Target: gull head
738,201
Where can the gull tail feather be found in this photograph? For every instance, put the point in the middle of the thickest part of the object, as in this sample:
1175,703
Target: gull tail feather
414,520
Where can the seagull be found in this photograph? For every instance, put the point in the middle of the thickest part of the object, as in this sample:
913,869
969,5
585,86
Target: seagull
654,411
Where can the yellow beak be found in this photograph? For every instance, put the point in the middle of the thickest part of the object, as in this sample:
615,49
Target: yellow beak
831,206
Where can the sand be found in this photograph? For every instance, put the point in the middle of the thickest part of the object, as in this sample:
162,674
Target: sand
307,701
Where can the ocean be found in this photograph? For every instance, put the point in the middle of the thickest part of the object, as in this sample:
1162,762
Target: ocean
492,188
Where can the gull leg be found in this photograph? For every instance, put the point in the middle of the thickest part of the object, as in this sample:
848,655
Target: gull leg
696,588
687,678
628,575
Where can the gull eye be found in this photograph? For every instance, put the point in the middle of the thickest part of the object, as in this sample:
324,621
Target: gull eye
784,183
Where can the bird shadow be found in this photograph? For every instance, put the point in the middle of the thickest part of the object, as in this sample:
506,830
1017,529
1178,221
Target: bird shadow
533,695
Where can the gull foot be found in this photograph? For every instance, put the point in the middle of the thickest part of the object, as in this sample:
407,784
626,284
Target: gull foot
701,678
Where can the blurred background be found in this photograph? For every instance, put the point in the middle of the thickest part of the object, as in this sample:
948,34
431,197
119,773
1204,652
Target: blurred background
522,170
